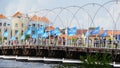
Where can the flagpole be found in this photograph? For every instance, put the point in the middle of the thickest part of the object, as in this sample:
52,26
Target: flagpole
49,33
66,33
35,33
2,33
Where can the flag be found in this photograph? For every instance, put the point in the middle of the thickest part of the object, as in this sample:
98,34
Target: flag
5,34
13,38
51,32
58,34
118,37
87,34
22,37
40,30
45,35
105,33
72,31
34,36
29,31
56,31
96,30
33,28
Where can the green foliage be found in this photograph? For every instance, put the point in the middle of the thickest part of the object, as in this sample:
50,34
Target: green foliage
96,60
90,60
27,36
5,38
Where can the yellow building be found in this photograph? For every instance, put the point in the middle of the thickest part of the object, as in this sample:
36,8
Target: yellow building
19,25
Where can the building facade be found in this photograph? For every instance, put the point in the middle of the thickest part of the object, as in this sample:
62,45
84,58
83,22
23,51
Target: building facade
19,25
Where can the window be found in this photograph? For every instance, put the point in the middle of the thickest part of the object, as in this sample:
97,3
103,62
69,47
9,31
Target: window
4,24
16,31
0,23
33,25
18,17
29,25
16,25
22,25
8,24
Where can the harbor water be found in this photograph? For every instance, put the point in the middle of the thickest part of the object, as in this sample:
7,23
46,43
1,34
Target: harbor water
18,64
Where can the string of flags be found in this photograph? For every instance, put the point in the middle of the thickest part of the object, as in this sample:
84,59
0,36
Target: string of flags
41,32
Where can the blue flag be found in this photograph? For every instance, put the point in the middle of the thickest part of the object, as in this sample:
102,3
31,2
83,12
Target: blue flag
40,30
118,37
33,28
96,30
22,37
51,32
87,34
105,33
5,34
34,36
56,31
45,35
29,31
72,31
13,38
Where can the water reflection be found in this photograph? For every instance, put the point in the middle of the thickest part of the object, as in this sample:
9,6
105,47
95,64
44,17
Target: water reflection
18,64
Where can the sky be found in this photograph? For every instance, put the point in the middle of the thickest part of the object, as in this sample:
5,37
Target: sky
8,7
81,20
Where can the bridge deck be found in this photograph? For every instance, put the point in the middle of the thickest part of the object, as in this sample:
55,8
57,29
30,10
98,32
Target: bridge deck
64,48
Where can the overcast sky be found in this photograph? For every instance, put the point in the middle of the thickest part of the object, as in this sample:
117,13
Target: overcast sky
103,19
10,6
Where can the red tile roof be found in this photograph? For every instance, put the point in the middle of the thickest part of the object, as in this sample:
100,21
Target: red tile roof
50,28
17,14
2,16
40,19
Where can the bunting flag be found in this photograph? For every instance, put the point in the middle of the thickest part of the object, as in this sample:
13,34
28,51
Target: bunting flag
96,30
105,33
45,35
22,37
13,38
5,34
72,31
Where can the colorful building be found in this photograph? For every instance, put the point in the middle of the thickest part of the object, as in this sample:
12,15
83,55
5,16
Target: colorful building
19,23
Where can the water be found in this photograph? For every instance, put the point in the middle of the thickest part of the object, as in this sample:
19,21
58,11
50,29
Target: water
19,64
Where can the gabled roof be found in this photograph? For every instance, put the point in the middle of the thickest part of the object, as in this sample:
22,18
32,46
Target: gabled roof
39,19
17,14
2,16
50,28
110,32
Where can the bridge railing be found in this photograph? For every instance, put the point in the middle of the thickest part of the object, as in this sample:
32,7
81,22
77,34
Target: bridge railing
70,43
